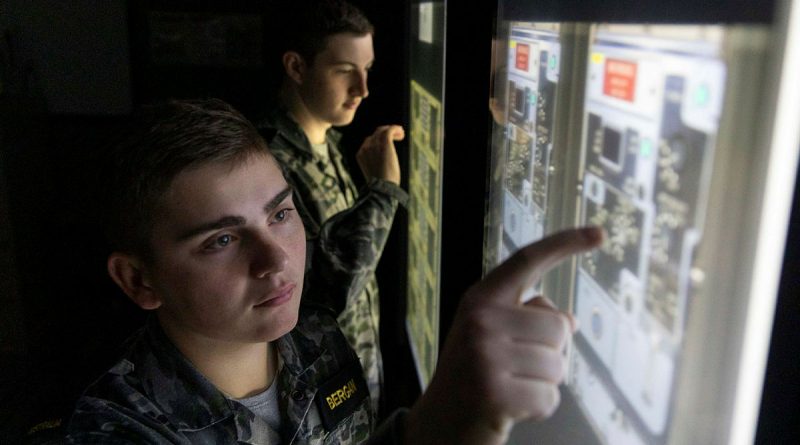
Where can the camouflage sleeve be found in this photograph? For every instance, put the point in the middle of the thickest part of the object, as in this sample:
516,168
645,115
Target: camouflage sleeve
349,244
114,410
97,422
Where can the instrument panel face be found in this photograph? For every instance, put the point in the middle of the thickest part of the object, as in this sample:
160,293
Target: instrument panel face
643,132
533,70
651,113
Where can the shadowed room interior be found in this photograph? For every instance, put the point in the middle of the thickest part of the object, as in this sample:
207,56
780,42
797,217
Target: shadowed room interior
70,75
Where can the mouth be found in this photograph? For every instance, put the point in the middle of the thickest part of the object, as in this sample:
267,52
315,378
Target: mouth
277,297
351,105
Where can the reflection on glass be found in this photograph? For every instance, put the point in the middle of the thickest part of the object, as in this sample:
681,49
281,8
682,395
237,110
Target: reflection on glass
532,69
651,111
636,129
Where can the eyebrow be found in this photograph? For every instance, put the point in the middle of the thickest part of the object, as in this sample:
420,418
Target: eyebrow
353,64
278,199
233,221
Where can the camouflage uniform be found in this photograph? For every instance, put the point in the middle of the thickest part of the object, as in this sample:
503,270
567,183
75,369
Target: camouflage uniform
322,191
155,395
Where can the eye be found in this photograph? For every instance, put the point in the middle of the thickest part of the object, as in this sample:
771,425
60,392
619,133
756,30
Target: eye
282,215
219,242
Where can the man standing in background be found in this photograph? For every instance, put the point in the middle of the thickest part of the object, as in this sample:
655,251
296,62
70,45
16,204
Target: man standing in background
326,54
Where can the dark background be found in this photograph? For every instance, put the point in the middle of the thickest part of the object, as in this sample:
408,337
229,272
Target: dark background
71,73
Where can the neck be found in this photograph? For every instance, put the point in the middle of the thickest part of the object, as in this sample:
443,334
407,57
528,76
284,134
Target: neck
237,369
314,129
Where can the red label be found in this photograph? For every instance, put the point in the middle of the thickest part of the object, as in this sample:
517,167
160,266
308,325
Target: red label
523,53
620,79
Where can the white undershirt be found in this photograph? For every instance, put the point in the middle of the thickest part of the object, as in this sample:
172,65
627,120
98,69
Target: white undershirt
321,151
265,405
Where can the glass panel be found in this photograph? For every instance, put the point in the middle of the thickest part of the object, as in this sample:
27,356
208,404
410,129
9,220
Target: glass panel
523,109
425,184
652,110
650,132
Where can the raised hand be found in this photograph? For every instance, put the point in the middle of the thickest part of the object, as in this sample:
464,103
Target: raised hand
377,156
502,361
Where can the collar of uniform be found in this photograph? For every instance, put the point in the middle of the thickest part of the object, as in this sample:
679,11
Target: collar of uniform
284,126
189,400
192,403
312,353
315,349
303,346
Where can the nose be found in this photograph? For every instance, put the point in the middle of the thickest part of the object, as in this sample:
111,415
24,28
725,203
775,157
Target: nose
359,88
268,257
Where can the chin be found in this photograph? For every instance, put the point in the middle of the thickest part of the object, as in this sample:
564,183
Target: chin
287,323
344,120
277,329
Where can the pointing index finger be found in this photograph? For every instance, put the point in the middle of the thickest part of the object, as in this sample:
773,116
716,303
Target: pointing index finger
510,279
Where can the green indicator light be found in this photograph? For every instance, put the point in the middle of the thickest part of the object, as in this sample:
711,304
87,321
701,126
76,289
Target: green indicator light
701,95
647,148
553,62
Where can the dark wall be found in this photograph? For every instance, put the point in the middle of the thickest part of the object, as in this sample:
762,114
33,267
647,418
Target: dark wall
467,123
72,316
64,82
73,54
779,417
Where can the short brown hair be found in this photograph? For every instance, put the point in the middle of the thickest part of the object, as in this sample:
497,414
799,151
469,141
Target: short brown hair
305,25
162,141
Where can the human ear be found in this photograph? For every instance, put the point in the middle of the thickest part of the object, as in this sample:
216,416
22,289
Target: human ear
294,65
126,270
